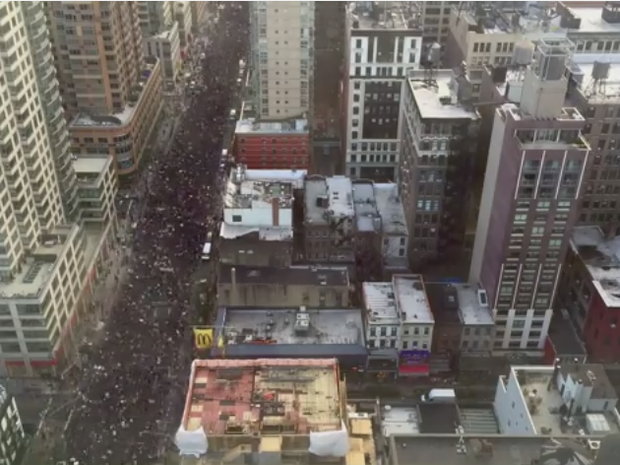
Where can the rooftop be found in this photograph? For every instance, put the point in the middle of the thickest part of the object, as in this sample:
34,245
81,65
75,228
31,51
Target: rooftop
473,305
601,256
591,20
123,117
382,15
508,20
380,303
263,233
37,270
366,214
258,194
437,97
256,327
584,66
254,397
427,449
252,126
411,299
548,397
296,276
92,169
324,197
391,209
432,418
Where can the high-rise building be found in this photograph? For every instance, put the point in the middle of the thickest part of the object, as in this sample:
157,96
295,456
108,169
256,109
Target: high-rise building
112,98
182,14
200,13
434,20
326,90
439,128
12,436
45,260
282,61
155,17
537,161
383,42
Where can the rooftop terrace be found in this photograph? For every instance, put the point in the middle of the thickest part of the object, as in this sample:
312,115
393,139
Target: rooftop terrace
38,269
247,397
547,398
411,299
601,256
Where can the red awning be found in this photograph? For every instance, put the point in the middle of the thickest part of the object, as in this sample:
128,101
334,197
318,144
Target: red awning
420,369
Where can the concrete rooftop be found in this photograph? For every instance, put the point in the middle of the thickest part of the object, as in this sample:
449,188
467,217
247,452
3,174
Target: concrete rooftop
326,326
411,299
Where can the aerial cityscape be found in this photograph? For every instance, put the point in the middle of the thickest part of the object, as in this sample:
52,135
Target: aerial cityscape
299,232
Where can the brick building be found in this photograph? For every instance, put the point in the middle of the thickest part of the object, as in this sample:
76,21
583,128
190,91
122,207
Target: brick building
272,145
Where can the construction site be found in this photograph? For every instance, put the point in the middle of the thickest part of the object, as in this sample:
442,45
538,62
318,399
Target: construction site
282,411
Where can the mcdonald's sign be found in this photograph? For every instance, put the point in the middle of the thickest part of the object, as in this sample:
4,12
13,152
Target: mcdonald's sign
203,338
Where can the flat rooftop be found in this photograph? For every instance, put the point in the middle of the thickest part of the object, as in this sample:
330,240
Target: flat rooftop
263,233
591,20
601,256
326,197
473,305
91,165
428,449
597,91
295,276
411,299
437,98
38,269
548,414
278,326
382,15
390,207
367,216
295,177
93,169
380,302
258,194
264,396
121,118
251,126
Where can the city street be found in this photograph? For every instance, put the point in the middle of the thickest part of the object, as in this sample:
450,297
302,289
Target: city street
134,374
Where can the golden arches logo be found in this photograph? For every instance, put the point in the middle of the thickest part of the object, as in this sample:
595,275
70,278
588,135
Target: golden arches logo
203,338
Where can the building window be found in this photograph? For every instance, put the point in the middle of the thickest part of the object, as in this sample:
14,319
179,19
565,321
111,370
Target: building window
237,219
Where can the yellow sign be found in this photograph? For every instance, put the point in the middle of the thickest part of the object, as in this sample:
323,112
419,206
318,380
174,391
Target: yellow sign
203,338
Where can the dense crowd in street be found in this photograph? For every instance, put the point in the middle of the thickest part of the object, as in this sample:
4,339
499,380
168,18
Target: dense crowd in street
125,392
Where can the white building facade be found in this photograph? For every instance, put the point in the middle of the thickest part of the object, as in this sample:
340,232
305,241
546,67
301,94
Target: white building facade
167,47
281,35
12,436
379,53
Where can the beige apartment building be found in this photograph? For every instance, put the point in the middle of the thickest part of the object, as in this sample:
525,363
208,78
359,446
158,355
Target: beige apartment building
200,14
155,17
112,97
281,36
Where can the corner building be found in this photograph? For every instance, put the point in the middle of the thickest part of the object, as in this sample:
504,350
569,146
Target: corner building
536,165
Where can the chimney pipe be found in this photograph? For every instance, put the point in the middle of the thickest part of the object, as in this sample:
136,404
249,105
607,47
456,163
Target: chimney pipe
275,211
